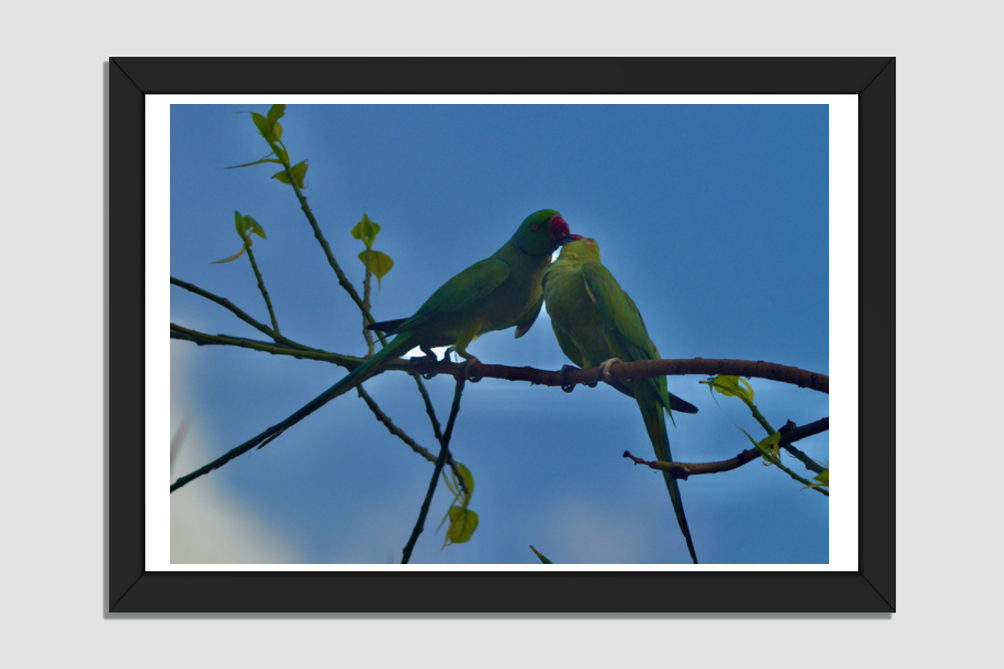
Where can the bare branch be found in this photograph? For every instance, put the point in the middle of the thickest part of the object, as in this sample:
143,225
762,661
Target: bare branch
618,370
401,434
683,470
444,453
633,370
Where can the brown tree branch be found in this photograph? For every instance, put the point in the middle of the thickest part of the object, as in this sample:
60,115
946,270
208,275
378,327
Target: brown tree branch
683,470
631,370
444,453
618,370
401,434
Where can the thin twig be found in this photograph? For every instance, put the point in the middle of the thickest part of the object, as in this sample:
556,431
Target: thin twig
291,349
805,459
367,334
683,470
225,303
343,281
264,292
230,306
429,409
401,434
444,452
809,463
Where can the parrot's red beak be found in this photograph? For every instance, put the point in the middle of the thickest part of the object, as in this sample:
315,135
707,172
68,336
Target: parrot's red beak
559,231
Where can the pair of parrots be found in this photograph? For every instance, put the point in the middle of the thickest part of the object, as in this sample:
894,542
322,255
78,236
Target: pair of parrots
593,319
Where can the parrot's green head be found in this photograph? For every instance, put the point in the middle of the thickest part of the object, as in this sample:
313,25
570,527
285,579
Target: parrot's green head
542,232
580,249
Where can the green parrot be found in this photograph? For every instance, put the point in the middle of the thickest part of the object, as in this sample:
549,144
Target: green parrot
595,321
497,293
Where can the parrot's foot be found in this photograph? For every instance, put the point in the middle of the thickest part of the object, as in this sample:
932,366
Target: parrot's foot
605,368
566,385
429,357
472,369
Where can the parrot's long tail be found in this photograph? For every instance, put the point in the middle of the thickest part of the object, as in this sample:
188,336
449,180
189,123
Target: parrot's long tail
655,423
400,344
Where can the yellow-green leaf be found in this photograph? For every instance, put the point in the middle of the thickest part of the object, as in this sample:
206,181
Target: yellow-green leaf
463,522
468,482
299,171
253,227
768,447
366,230
264,126
540,557
733,386
246,225
771,444
268,126
275,112
378,262
231,258
823,478
257,162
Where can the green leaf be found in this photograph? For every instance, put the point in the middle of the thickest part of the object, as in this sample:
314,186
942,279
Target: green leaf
298,171
772,445
231,258
246,225
268,127
280,152
263,125
253,227
450,486
768,447
257,162
240,225
463,522
465,473
543,559
275,112
730,387
378,262
366,230
822,480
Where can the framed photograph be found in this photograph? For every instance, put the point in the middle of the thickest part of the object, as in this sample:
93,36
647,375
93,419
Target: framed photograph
736,213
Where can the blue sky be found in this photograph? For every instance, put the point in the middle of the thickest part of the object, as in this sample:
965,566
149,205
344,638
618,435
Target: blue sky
714,218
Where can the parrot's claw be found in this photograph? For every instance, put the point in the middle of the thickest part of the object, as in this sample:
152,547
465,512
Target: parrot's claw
472,370
565,384
605,368
429,358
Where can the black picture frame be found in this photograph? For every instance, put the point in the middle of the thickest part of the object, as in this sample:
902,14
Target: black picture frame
870,589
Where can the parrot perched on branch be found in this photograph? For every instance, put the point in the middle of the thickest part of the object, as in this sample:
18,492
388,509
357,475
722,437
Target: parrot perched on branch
497,293
595,322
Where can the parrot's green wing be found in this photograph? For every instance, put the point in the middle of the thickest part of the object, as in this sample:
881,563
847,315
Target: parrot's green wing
619,313
471,285
568,346
528,319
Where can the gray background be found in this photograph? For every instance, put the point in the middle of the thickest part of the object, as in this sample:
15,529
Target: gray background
53,260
